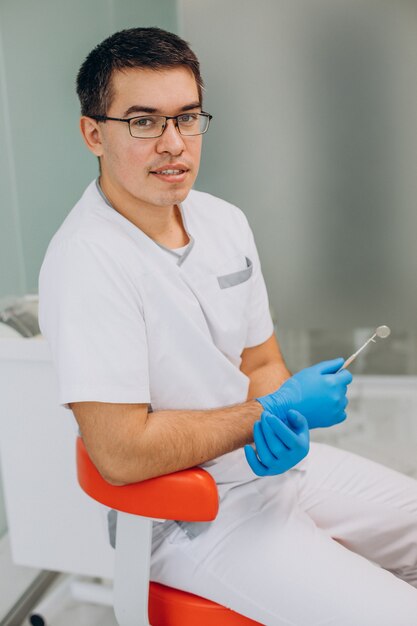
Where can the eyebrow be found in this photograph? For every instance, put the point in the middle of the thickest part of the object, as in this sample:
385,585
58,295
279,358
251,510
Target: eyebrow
138,108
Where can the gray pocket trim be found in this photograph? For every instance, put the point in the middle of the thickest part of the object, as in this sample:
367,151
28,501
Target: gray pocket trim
231,280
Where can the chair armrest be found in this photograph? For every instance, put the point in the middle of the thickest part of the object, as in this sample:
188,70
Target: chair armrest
189,495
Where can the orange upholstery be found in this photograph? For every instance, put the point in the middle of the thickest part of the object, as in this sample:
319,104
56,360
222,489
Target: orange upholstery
190,495
172,607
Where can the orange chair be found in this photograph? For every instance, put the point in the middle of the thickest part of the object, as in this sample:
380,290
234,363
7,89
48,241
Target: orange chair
188,495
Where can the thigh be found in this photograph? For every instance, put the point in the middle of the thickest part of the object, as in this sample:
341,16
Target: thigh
276,567
367,507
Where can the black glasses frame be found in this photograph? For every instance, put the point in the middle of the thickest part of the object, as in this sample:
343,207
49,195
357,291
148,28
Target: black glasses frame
104,118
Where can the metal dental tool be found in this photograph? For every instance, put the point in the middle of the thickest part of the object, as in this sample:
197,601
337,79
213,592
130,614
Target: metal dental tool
382,332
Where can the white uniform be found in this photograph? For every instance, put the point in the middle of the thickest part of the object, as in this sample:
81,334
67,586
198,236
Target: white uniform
127,320
131,321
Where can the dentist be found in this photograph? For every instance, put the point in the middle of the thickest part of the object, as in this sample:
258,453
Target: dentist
153,302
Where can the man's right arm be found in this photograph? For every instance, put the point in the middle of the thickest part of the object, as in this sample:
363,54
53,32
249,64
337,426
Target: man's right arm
127,444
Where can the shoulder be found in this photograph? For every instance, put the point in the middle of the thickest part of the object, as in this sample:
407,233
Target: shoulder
90,253
91,229
213,211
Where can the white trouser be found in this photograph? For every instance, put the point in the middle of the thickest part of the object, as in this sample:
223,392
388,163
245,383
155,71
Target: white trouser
301,549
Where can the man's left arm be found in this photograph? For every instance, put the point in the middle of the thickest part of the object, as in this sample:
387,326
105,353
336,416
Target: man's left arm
265,367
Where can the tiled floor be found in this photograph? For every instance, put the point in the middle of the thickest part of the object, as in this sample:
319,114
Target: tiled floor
81,614
69,612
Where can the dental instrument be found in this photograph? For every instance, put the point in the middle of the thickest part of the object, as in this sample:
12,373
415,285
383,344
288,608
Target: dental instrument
382,332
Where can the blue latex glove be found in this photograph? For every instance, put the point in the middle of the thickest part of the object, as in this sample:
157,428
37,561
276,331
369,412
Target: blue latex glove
317,392
278,446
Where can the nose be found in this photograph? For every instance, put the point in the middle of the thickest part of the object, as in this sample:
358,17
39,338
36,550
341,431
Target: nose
170,140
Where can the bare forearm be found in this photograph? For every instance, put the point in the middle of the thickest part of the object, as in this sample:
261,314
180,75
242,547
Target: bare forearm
267,379
265,367
128,444
176,440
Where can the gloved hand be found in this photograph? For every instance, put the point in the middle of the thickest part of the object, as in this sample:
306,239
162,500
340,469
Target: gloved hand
317,392
278,446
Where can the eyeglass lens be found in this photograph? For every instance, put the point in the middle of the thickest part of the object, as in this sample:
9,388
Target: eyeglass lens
153,125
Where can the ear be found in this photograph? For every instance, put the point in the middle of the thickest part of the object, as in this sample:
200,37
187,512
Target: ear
91,134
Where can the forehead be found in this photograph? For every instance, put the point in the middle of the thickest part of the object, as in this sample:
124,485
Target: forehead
163,90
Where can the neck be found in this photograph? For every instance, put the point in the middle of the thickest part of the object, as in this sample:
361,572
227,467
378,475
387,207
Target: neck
163,224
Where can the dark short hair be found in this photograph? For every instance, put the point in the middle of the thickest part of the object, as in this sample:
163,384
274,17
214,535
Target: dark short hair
148,48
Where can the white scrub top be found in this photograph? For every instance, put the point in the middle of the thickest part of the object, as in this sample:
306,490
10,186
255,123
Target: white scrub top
126,323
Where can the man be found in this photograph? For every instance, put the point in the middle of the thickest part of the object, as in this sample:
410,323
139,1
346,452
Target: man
153,302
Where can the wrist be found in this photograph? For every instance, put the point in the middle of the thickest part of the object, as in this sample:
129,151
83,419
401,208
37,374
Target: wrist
255,408
277,404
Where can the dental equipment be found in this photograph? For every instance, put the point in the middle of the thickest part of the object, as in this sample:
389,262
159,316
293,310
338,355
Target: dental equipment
382,332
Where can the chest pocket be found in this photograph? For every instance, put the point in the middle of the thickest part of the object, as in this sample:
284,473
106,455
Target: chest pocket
223,298
235,278
230,303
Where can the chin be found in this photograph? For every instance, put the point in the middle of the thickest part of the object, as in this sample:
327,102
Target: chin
174,196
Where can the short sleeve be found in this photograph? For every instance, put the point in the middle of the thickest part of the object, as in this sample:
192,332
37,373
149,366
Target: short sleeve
260,326
91,315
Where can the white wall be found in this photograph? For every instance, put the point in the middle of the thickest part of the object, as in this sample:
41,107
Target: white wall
44,165
314,136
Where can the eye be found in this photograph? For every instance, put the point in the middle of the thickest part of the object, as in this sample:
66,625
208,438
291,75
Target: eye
188,118
144,122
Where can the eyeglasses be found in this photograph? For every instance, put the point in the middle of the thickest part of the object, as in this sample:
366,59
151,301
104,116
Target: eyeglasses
151,126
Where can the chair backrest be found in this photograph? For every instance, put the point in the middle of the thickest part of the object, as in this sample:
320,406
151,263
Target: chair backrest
52,523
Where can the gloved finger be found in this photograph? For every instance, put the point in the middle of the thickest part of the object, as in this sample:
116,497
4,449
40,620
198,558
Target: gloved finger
329,367
302,429
253,461
285,434
345,402
339,381
344,377
334,382
297,422
341,417
274,443
262,448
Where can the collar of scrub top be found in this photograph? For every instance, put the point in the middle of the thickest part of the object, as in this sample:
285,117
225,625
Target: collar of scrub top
182,253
